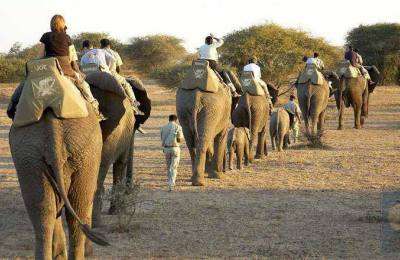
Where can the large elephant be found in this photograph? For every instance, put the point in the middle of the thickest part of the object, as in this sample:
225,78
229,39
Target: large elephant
355,94
118,134
205,118
313,101
57,162
253,112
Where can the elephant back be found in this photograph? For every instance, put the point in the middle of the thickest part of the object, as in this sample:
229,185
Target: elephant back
106,82
46,87
312,74
345,69
202,77
250,84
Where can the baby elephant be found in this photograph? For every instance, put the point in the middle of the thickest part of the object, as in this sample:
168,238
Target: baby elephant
238,141
279,127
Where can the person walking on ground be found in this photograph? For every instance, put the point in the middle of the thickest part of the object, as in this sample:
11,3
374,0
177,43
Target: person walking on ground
294,115
171,136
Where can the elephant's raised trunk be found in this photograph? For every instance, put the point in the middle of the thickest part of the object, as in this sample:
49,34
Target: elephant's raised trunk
57,180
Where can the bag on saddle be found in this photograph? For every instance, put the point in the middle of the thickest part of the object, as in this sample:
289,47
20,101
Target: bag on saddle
89,68
46,87
345,69
201,76
250,84
312,74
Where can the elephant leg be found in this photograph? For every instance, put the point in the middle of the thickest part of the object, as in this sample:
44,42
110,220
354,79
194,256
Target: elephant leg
246,153
80,194
273,141
98,197
341,114
231,155
199,168
364,108
239,156
59,242
219,150
280,140
357,116
253,140
286,141
261,144
321,122
119,173
40,202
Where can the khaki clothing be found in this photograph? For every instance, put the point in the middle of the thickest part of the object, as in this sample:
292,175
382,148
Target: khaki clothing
170,134
117,60
292,108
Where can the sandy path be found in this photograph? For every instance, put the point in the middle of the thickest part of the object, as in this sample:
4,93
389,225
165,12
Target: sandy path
301,203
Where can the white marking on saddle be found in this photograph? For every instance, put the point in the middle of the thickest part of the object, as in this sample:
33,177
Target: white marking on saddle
246,82
41,67
343,70
45,86
199,73
310,72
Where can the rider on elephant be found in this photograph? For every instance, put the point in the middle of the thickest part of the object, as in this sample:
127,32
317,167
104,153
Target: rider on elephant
353,58
114,69
294,115
57,43
96,56
208,51
253,67
316,61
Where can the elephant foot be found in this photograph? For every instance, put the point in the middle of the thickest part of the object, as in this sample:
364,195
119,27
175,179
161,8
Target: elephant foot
240,168
197,181
362,121
215,175
260,156
357,127
340,127
231,168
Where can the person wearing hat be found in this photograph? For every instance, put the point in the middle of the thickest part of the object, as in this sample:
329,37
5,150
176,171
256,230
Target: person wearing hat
294,114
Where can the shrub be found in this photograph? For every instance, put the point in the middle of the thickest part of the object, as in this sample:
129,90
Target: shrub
379,46
171,76
12,69
94,38
156,51
280,50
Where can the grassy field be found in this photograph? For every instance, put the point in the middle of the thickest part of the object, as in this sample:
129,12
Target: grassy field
301,203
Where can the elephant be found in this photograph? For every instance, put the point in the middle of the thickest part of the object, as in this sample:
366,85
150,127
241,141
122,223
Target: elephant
117,132
313,101
238,142
57,163
356,95
253,112
205,118
279,128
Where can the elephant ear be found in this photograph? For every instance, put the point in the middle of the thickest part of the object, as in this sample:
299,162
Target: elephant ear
145,102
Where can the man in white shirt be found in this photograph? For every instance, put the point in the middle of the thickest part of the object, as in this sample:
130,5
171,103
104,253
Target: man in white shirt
114,67
253,67
360,66
316,61
171,137
208,51
96,56
294,114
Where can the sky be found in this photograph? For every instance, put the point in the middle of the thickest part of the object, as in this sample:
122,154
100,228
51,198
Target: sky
26,20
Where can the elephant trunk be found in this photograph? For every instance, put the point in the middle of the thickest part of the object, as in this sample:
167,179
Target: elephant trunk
57,181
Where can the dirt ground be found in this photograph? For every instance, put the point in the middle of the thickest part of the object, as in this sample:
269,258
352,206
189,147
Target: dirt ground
301,203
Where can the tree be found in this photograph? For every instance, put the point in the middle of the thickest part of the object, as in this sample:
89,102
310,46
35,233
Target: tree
379,44
156,51
94,38
279,50
15,48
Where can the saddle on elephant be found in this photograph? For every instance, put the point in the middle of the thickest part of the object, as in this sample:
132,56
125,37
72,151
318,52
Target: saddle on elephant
47,87
89,68
201,76
250,84
312,74
345,69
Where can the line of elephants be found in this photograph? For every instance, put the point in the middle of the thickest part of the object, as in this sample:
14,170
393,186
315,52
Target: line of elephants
64,162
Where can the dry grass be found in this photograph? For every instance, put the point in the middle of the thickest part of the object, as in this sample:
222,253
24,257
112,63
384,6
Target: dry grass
300,203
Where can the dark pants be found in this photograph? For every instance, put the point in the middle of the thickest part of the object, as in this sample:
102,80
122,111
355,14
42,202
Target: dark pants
218,68
291,119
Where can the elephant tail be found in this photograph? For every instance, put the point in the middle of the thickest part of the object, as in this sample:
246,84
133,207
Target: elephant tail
57,181
309,94
277,122
341,89
248,109
194,116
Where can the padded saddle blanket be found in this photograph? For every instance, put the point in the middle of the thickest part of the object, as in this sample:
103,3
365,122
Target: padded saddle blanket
345,69
311,74
89,68
45,87
201,76
250,84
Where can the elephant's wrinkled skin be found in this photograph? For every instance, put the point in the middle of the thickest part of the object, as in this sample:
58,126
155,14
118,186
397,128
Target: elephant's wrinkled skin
357,96
279,127
205,119
238,142
313,101
49,155
253,112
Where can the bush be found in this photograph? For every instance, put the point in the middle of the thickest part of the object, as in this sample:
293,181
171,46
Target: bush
171,76
156,51
94,38
279,50
12,69
379,46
